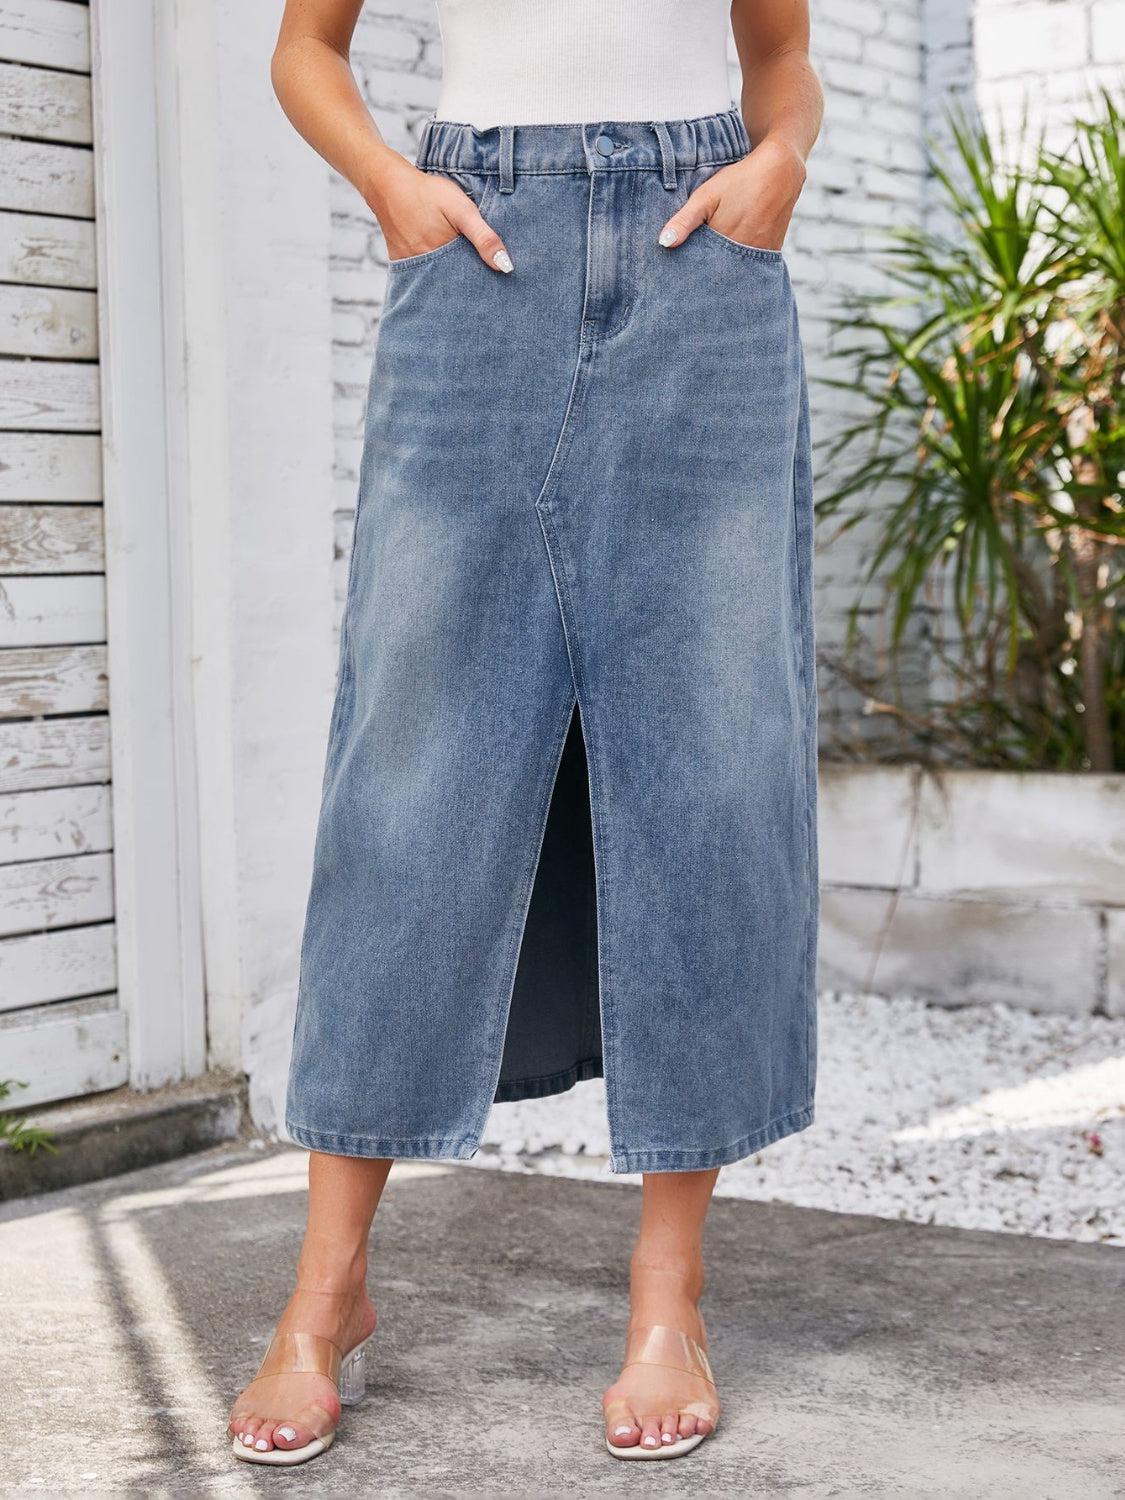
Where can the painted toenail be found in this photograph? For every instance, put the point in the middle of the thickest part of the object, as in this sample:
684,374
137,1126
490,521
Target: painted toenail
261,1445
665,1437
287,1433
650,1442
248,1440
622,1431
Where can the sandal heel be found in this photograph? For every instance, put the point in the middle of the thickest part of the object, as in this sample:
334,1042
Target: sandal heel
353,1377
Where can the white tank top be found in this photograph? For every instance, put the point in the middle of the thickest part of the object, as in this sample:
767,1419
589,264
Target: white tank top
557,62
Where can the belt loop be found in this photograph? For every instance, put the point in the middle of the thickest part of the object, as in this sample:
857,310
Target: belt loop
667,155
507,159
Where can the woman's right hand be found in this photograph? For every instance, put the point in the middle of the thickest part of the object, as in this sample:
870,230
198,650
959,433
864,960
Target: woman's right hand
420,211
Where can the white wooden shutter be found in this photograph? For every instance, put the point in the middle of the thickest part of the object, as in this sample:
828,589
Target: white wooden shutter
61,1029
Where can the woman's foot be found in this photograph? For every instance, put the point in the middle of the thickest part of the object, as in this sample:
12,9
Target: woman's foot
289,1411
652,1406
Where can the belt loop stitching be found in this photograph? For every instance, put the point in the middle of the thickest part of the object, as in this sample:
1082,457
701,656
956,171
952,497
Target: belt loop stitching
667,155
586,152
507,159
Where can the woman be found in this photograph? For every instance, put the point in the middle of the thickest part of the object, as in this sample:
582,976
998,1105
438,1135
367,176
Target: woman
568,816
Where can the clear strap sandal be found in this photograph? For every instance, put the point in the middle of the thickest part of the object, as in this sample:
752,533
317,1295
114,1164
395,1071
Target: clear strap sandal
309,1354
669,1349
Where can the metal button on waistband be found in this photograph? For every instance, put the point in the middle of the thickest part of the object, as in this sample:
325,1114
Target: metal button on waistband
604,145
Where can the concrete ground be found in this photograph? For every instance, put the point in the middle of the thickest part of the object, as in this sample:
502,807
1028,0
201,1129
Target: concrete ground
855,1355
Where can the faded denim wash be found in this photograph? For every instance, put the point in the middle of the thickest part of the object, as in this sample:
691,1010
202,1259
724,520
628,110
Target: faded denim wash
581,563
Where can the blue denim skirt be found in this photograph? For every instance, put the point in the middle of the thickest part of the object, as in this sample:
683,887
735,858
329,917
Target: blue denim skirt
568,823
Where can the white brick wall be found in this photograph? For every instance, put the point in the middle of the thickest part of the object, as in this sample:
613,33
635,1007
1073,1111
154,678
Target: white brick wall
889,67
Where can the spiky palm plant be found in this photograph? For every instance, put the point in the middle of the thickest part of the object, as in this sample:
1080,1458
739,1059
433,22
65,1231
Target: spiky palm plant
991,385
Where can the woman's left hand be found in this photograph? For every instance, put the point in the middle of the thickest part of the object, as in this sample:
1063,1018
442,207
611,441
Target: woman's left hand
750,201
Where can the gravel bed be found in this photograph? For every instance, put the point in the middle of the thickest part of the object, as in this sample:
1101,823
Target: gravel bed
983,1118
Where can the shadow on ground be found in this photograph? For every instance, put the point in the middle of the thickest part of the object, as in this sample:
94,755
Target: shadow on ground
855,1356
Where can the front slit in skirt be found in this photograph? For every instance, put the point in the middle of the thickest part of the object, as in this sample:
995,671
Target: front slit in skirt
568,826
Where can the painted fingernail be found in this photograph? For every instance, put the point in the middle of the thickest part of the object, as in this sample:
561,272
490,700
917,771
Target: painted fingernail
503,262
261,1445
288,1433
668,237
622,1431
247,1440
650,1442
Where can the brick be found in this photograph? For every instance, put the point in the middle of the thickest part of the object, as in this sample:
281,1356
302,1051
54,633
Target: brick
349,452
866,821
414,16
349,327
394,93
348,409
906,155
850,109
827,238
907,90
893,57
351,242
903,23
1061,836
859,142
881,182
829,40
961,952
431,57
850,77
867,16
946,24
397,49
901,117
362,284
352,366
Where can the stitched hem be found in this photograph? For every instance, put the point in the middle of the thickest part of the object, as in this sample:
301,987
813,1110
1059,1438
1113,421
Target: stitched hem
719,1156
423,1148
509,1090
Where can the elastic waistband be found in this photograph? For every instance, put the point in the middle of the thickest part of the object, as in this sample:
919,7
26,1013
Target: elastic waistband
666,146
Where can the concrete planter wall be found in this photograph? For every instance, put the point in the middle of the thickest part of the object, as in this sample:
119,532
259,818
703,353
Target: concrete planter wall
974,886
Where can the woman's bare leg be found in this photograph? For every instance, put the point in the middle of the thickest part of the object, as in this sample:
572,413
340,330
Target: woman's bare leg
666,1283
330,1299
